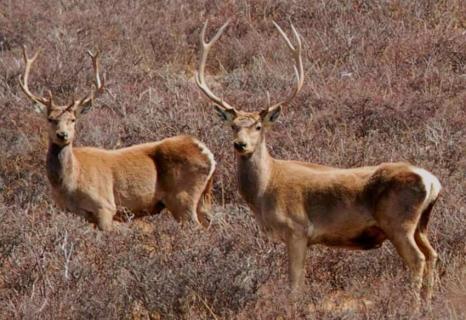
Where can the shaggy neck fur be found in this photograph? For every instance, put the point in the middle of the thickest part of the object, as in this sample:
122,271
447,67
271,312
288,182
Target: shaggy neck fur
253,174
60,162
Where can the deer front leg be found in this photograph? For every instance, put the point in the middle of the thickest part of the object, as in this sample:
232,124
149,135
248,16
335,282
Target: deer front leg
297,247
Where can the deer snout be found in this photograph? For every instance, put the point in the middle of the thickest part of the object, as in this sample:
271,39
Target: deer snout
62,135
240,146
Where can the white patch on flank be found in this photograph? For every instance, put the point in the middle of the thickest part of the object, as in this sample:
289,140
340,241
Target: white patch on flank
431,184
208,154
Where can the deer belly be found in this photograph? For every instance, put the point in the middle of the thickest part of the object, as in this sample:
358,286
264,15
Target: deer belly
137,199
369,238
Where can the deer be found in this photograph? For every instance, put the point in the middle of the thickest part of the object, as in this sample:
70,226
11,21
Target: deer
304,204
175,173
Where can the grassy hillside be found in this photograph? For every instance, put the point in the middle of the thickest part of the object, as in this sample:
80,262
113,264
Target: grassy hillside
385,81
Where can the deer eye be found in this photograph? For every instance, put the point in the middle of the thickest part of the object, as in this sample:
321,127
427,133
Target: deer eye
52,121
73,120
258,128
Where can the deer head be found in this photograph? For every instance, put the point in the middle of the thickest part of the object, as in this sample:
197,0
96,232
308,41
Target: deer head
249,127
61,119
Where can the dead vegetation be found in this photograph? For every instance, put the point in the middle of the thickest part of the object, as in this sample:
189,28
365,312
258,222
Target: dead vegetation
385,81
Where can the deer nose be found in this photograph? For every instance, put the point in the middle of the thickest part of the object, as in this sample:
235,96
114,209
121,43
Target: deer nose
62,135
240,146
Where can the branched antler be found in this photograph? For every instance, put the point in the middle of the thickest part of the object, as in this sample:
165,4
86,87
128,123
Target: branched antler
296,54
24,82
99,85
298,62
200,79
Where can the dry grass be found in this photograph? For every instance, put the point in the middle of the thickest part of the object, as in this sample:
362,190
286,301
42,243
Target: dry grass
385,80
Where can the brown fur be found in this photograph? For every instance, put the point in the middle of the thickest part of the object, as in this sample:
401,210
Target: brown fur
175,173
172,173
304,203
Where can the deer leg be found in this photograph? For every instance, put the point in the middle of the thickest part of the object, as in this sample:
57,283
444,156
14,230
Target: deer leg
409,251
204,217
431,261
204,205
191,212
297,247
104,218
183,207
159,206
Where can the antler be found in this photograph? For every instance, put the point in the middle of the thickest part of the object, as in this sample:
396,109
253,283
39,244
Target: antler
99,85
298,66
24,82
296,53
200,80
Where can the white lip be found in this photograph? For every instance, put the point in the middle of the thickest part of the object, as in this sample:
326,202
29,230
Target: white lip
244,152
62,142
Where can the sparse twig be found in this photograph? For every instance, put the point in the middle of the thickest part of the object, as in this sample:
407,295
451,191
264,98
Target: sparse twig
67,250
206,305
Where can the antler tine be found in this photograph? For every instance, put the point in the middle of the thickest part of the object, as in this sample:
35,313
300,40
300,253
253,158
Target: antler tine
298,62
95,63
99,85
298,59
283,34
24,82
200,79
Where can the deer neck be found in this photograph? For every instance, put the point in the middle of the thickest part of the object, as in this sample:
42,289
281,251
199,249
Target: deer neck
253,174
61,169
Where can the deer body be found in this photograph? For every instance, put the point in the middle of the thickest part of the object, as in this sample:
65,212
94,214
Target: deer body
305,203
299,199
174,173
142,178
330,206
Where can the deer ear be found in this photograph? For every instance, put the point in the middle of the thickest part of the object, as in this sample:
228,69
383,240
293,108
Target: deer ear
83,108
46,106
270,115
226,115
40,108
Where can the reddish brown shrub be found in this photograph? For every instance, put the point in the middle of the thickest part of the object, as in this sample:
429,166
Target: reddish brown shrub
385,81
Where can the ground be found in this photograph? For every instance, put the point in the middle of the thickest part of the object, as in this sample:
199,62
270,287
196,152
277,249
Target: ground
384,81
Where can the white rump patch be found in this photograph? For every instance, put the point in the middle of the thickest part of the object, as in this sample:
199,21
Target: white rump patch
431,184
208,154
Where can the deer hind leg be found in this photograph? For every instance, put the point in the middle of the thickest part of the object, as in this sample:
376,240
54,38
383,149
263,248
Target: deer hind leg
191,201
398,214
104,218
426,248
183,206
203,215
158,207
409,251
204,205
431,261
297,247
400,226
